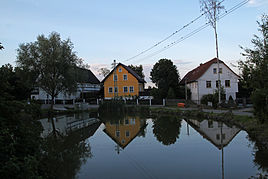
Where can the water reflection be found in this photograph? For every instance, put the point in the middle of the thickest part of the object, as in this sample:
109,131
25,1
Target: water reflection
65,152
166,129
67,123
217,133
123,131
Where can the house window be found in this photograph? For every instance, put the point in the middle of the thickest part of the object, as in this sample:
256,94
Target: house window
117,133
223,136
110,89
220,70
115,89
127,133
208,84
120,69
217,83
215,70
125,89
131,89
126,122
132,121
210,124
227,83
125,77
218,136
115,77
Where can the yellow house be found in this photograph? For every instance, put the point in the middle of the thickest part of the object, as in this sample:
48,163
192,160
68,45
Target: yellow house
122,81
124,131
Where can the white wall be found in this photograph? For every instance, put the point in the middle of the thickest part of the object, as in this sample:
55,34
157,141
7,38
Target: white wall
226,74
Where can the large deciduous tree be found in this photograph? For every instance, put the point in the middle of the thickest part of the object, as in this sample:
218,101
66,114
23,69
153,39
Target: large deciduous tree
255,70
50,62
166,77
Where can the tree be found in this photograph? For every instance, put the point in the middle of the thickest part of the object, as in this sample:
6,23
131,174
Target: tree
50,62
166,129
255,70
165,75
1,46
104,71
12,86
137,69
212,9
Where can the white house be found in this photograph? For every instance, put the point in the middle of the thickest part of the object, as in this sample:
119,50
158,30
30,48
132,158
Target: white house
88,85
204,80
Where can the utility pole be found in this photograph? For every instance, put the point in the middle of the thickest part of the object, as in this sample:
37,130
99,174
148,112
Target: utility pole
115,81
212,8
186,98
217,50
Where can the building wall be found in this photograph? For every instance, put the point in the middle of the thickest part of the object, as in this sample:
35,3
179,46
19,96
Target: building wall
121,83
226,74
85,87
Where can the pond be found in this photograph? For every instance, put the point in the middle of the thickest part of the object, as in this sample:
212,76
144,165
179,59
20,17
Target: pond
163,147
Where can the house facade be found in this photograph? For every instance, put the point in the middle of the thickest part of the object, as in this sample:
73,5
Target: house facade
203,80
122,81
88,85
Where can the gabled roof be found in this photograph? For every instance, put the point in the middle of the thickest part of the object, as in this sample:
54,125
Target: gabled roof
200,70
86,76
141,80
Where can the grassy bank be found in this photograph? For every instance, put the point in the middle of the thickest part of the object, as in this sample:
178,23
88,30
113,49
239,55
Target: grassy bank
257,132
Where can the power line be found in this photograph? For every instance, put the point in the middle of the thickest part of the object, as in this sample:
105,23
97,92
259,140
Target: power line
168,37
194,32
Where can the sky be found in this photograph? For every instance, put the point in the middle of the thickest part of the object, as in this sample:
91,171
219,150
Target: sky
107,30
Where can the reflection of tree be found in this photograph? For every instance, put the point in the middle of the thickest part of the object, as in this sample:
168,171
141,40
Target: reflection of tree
63,156
261,159
166,129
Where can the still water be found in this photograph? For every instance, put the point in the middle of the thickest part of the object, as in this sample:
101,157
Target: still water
163,147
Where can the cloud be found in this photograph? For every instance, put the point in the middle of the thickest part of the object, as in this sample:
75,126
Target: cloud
257,3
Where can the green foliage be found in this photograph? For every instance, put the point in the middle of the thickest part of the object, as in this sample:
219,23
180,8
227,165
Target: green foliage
165,75
255,71
49,62
20,142
12,85
260,99
214,98
171,94
112,106
138,70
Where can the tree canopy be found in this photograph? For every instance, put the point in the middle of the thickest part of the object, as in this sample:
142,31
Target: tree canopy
255,69
165,76
49,61
137,69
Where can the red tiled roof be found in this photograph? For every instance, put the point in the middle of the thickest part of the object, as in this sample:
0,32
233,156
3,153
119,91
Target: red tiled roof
200,70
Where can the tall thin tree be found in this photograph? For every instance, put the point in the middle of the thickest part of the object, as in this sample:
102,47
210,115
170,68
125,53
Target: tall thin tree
212,9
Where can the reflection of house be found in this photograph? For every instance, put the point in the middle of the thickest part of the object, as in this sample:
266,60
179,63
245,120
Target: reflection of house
124,131
216,132
65,124
204,80
87,86
122,81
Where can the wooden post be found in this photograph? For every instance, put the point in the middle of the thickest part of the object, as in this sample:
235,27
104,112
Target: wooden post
150,102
